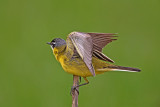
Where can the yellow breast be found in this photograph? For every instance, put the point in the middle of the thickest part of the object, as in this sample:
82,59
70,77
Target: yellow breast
75,65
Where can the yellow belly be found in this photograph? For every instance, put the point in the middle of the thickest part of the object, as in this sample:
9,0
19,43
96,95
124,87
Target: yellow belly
77,66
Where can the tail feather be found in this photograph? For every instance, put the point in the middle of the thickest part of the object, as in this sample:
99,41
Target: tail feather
121,68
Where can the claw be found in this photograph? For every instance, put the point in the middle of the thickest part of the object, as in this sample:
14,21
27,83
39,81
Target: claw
73,89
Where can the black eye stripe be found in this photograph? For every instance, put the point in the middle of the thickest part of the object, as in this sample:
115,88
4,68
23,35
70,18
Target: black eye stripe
53,40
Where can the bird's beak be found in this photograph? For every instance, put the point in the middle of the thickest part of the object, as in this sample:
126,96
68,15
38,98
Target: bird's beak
48,43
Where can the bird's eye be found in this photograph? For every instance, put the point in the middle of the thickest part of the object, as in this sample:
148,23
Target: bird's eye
53,44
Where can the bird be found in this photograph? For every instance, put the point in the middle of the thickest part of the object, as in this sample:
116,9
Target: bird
81,54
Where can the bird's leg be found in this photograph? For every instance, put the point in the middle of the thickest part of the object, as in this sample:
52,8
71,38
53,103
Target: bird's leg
74,87
79,79
87,82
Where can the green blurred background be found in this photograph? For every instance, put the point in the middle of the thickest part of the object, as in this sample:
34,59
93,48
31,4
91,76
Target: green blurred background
31,77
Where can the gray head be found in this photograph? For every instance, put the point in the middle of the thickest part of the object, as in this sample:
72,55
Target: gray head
57,42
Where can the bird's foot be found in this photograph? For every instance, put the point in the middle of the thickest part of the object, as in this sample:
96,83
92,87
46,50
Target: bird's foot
74,88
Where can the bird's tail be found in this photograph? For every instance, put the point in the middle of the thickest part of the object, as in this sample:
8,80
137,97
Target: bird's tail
121,68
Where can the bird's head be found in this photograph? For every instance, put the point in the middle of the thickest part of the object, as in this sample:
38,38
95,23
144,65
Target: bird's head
57,42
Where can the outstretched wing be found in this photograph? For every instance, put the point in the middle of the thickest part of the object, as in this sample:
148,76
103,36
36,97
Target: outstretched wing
84,46
100,40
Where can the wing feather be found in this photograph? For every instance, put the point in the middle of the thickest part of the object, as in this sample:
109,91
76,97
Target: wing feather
100,40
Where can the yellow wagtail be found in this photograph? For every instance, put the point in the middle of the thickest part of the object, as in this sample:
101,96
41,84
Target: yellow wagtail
81,54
